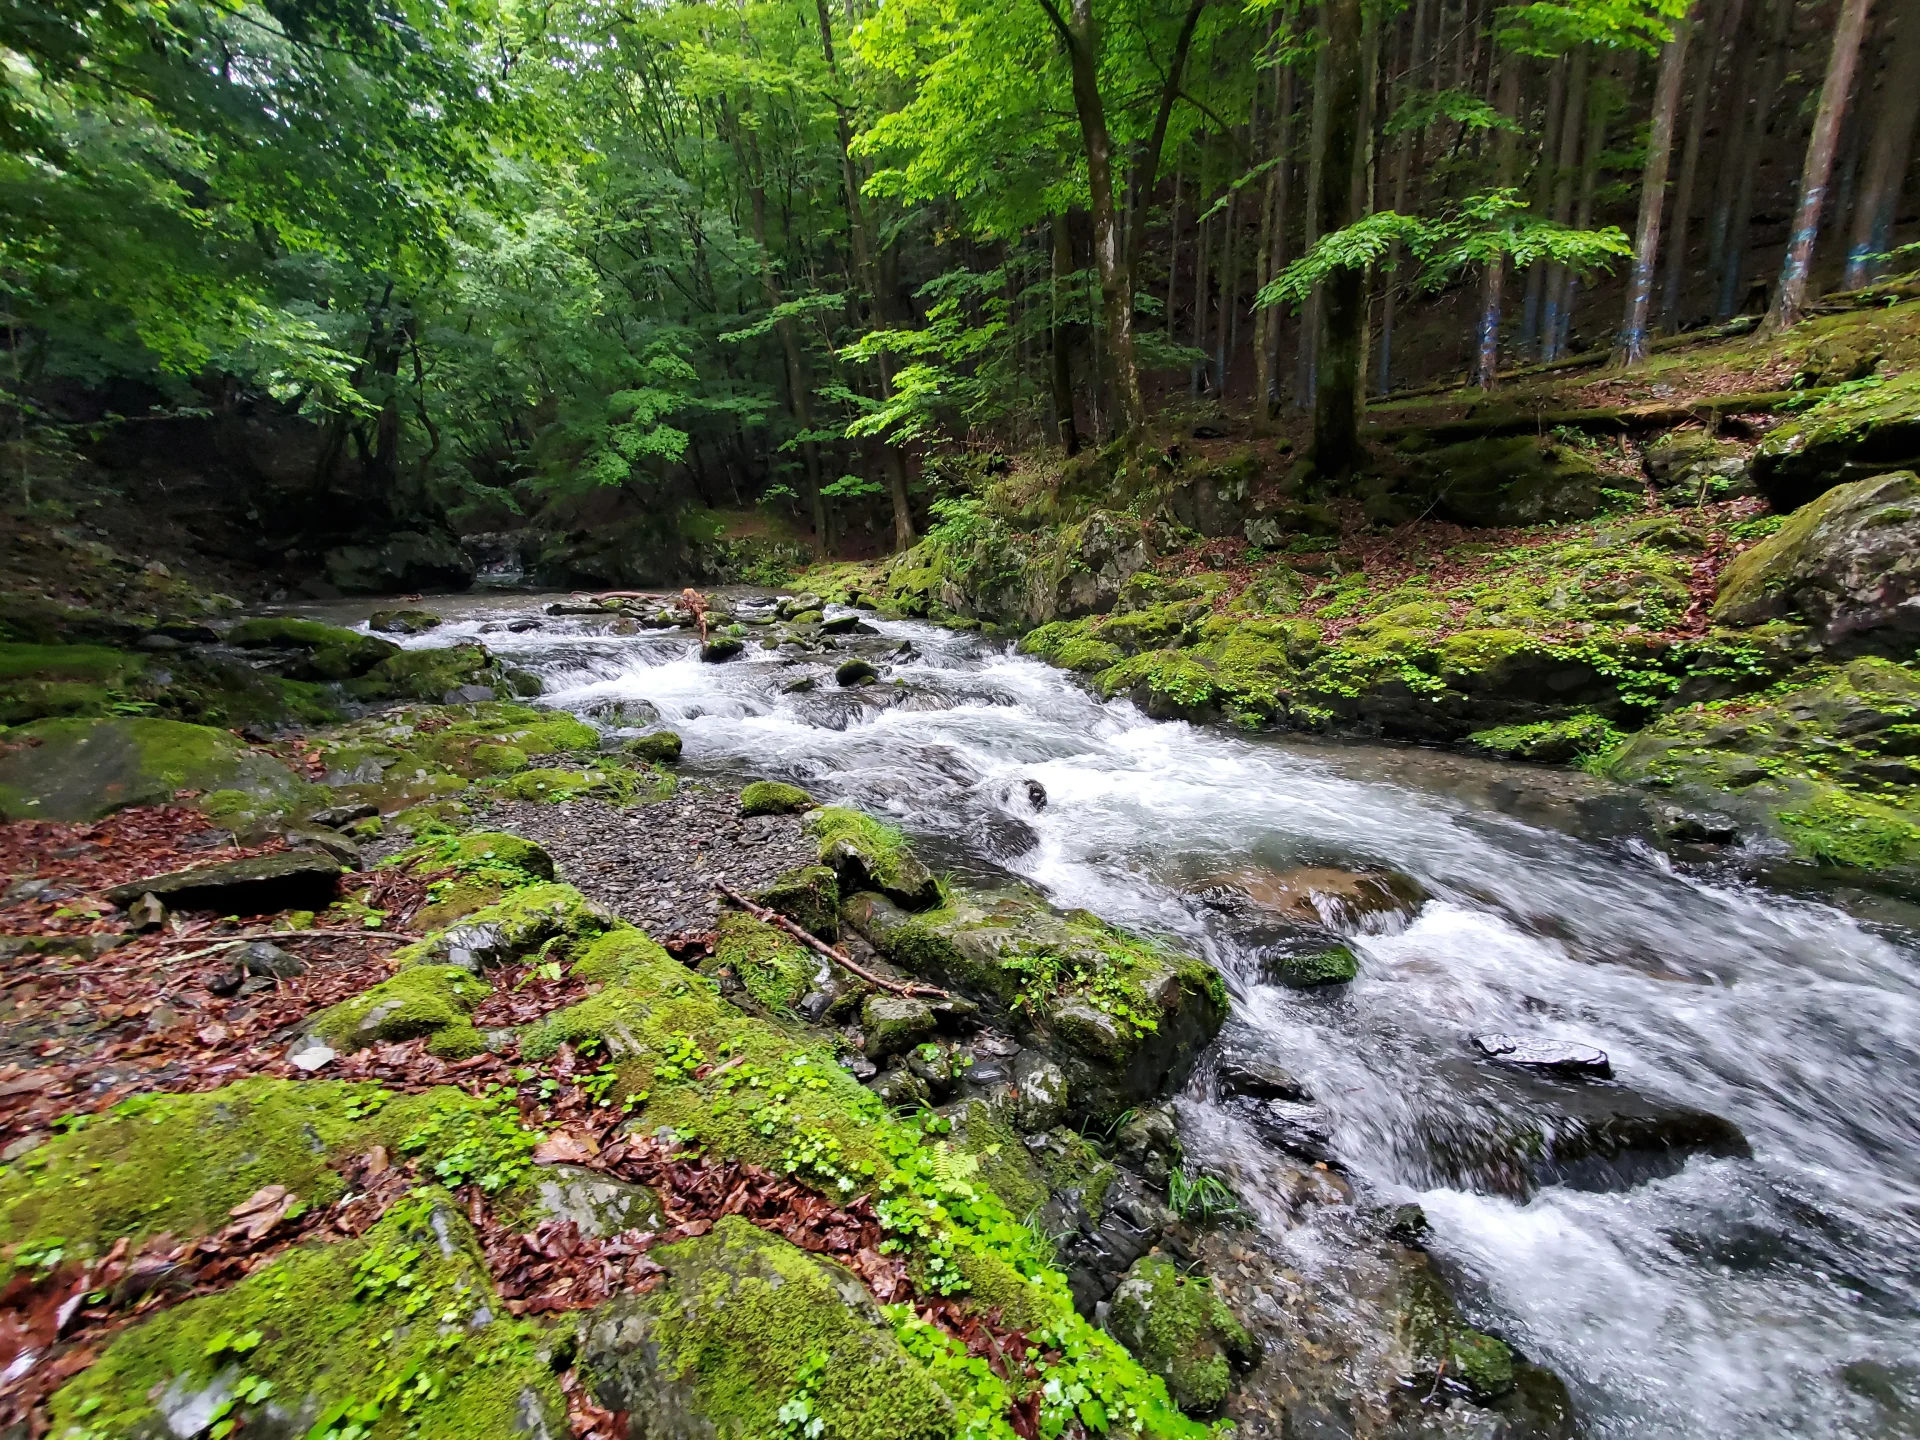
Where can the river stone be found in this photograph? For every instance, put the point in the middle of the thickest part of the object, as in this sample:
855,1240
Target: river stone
600,1206
855,672
1309,966
1242,1074
809,896
660,747
407,560
1301,1129
721,647
264,958
902,1090
771,797
75,770
1040,1094
403,622
290,880
1177,1327
1553,1057
1848,564
338,817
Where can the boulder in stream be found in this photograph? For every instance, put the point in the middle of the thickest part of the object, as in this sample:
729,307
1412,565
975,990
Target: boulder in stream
1350,901
1550,1057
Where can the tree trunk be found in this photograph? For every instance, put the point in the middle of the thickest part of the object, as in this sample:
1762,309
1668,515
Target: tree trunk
1402,168
1725,22
1173,255
1343,312
1631,347
1887,155
1573,127
1493,283
1759,128
1283,175
1543,201
1199,376
1790,299
1082,39
1599,108
1223,340
1059,368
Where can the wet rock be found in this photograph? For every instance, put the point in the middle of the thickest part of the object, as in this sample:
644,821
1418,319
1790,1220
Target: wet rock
1176,1326
1848,564
894,1024
403,622
902,1090
842,625
936,1067
1242,1074
405,561
1350,901
1036,794
1149,1143
1298,1128
855,672
867,855
721,647
1410,1226
634,713
1308,966
794,605
660,747
1551,1057
290,880
468,695
269,961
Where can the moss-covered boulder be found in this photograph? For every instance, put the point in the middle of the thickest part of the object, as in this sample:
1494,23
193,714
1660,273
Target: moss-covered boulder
332,653
868,855
75,769
1178,1328
770,797
809,896
328,1336
431,674
770,964
403,622
657,747
894,1024
558,917
991,570
40,681
1847,564
616,784
750,1330
1696,468
1857,432
401,563
1310,967
435,1001
1124,1017
1446,1348
1514,480
1827,768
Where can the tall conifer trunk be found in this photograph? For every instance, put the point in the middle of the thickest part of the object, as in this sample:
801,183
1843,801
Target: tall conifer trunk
1631,346
1887,154
1343,311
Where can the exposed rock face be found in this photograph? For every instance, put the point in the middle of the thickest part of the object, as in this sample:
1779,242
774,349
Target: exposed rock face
1841,440
405,561
1848,564
1023,577
1694,467
290,880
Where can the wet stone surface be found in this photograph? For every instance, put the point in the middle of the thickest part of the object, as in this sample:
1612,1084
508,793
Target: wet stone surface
655,865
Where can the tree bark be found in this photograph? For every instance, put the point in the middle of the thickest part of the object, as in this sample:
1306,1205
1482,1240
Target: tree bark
1725,22
1573,128
1081,36
1790,298
1599,107
1493,283
1198,378
1402,168
1631,346
1223,340
1887,155
1760,125
1343,314
1283,174
1059,368
1543,178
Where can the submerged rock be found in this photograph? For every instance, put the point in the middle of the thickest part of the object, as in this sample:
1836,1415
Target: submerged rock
1350,901
1551,1057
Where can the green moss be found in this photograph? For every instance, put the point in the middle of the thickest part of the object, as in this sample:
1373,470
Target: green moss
770,797
491,759
621,956
617,785
160,1164
403,1320
425,674
882,851
774,968
1166,682
1549,742
659,747
1071,645
273,631
1431,1326
556,917
80,769
1334,965
1177,1327
809,896
1837,828
431,1000
983,1132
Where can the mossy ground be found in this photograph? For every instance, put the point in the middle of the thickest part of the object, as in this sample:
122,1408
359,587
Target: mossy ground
775,969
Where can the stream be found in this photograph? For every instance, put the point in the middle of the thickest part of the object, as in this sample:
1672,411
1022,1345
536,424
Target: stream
1738,1297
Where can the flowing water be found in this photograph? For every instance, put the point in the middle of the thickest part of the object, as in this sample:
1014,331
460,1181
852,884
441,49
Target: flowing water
1739,1297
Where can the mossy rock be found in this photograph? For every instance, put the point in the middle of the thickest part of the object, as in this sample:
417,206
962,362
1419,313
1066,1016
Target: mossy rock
808,896
748,1324
41,681
1311,968
1548,742
80,769
1430,1327
659,747
1848,436
716,648
1514,480
770,797
432,1000
427,674
776,969
333,1327
403,622
866,854
1848,564
332,653
617,785
1124,1017
558,917
488,758
176,1164
894,1024
1178,1328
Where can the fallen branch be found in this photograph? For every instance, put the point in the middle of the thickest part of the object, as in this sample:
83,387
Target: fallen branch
832,952
293,935
619,595
1647,416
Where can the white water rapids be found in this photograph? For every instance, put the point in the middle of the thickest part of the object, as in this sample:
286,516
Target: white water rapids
1737,1298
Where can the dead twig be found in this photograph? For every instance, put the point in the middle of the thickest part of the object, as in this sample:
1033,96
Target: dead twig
833,953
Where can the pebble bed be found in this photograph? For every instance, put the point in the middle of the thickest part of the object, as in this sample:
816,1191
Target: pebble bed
654,865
